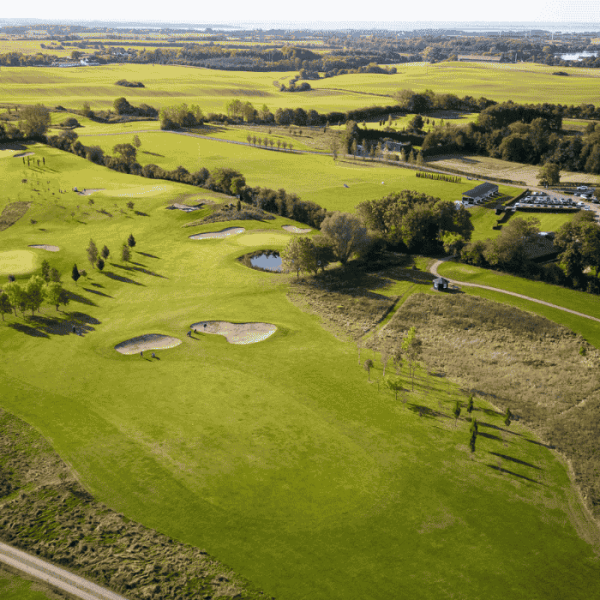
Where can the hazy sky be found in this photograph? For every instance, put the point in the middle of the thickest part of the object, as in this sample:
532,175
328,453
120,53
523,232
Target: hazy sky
585,11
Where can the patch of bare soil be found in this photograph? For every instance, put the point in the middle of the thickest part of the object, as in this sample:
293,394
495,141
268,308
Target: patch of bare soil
12,213
46,512
47,247
542,371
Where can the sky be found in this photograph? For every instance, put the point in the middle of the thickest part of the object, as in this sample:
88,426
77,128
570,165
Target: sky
235,11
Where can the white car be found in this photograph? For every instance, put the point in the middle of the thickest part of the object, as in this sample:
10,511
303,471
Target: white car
582,188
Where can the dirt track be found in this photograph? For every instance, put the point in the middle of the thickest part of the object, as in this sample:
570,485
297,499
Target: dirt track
55,576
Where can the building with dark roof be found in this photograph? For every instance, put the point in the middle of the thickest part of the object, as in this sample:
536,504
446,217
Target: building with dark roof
481,192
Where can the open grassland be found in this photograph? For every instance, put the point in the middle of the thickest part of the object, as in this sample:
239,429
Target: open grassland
313,177
211,89
279,458
164,86
485,166
401,122
521,82
32,47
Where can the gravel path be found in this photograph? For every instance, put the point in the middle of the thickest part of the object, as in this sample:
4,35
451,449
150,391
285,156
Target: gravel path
55,576
434,267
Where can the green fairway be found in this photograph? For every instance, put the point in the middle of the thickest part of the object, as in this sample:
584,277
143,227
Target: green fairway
278,457
17,262
335,185
15,587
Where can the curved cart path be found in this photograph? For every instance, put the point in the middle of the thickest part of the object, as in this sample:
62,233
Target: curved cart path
55,576
434,267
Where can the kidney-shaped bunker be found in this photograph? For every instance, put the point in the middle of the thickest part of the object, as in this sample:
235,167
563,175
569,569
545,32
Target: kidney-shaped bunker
237,333
150,341
209,235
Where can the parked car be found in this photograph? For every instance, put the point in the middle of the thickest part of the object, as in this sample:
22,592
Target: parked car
582,187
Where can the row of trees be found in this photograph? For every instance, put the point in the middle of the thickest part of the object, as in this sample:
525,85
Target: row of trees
31,296
97,259
268,142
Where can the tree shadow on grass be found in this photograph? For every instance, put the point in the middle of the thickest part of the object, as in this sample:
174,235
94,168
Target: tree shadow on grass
515,460
423,411
97,293
122,279
549,446
139,213
501,470
139,269
148,255
27,330
81,299
489,436
484,424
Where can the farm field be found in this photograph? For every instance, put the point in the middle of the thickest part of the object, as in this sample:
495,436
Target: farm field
521,82
211,89
279,457
313,177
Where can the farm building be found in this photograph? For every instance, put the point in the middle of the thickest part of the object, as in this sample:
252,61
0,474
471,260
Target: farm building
481,192
440,284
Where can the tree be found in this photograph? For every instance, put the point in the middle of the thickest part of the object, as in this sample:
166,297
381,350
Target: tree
416,123
75,275
394,384
470,404
549,174
127,151
105,252
125,253
299,255
130,205
136,141
16,296
92,252
56,294
368,366
346,234
334,146
131,241
34,293
45,270
507,417
456,412
34,120
472,440
100,263
411,348
5,305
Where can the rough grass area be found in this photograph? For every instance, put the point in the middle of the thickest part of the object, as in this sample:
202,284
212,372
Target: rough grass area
517,360
46,512
228,212
12,213
343,301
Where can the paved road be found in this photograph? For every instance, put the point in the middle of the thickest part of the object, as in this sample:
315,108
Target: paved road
434,267
53,575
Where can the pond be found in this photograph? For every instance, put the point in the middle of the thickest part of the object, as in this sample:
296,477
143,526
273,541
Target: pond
264,260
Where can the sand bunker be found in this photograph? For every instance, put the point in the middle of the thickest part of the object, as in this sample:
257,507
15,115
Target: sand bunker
20,154
218,234
45,247
150,341
294,229
237,333
184,207
89,192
